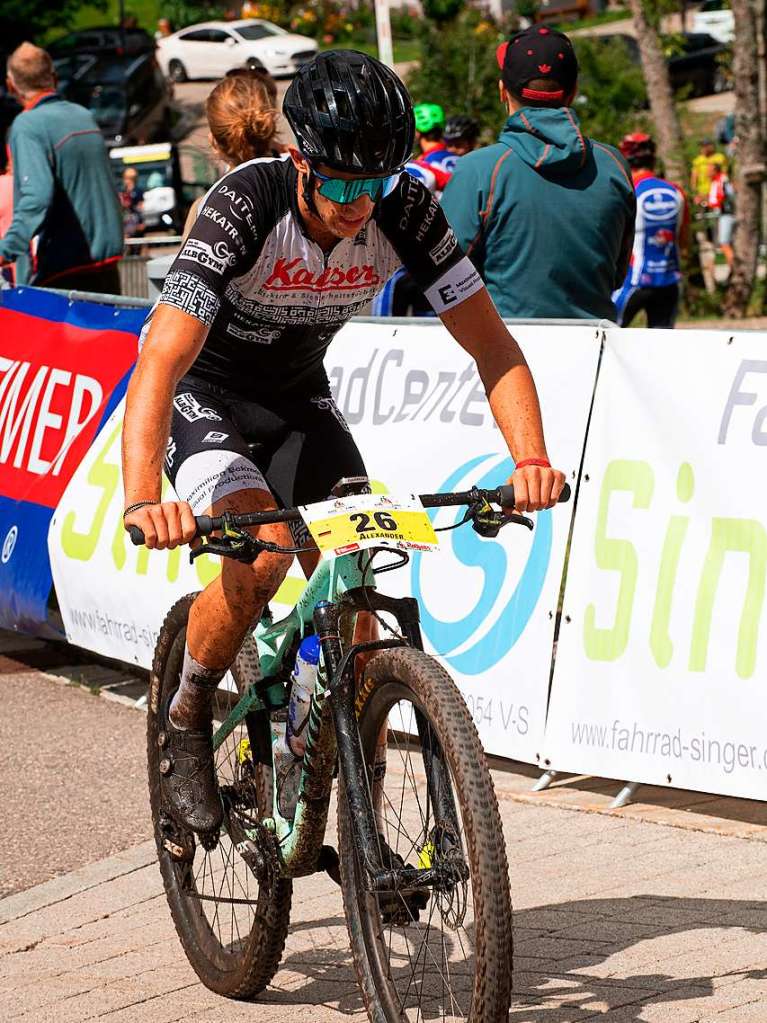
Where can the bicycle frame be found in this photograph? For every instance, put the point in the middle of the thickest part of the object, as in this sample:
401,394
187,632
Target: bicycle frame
336,592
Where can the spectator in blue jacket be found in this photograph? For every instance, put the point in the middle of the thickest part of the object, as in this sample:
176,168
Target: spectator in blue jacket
63,193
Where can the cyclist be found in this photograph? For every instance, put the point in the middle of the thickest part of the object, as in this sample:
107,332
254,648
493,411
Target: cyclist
660,236
230,390
429,127
461,135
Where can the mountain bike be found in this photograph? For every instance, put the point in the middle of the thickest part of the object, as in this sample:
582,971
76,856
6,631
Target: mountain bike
421,859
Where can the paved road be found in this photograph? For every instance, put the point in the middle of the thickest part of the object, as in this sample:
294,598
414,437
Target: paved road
71,770
655,914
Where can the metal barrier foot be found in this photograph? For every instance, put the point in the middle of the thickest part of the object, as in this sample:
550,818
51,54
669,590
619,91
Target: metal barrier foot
625,796
544,781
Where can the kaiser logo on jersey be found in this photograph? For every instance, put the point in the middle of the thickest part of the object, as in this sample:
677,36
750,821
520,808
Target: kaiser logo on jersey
293,275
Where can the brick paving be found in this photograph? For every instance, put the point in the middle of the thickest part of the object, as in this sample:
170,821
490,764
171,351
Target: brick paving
653,914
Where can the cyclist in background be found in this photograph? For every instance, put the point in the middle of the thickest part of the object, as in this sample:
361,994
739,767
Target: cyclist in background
660,240
429,128
461,136
230,390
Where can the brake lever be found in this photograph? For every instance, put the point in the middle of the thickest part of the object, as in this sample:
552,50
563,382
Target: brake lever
488,523
234,543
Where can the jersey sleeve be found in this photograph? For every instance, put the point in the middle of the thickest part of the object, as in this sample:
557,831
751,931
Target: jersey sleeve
221,245
415,225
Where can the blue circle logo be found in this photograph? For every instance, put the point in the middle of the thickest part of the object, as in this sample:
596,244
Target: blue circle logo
496,625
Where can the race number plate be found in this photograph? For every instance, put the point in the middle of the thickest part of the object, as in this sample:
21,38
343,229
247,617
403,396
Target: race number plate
349,524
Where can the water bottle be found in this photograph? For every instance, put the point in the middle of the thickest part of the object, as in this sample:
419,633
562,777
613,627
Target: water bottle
304,678
287,768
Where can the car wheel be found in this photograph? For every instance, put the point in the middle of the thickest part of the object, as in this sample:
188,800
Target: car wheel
177,71
721,82
255,65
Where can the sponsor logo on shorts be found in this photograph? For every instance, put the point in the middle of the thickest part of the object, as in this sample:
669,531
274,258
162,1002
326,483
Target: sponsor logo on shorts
215,257
261,336
442,249
326,403
214,437
189,407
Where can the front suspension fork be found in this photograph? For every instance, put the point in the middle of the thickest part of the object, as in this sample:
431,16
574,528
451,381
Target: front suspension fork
340,673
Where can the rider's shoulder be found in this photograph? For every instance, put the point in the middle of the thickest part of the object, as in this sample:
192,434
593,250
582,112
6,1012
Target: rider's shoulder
262,176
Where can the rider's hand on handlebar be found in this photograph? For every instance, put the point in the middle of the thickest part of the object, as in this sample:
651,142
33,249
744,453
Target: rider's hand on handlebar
536,488
165,525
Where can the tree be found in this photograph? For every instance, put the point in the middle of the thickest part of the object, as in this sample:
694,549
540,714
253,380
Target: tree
31,19
611,90
750,172
668,133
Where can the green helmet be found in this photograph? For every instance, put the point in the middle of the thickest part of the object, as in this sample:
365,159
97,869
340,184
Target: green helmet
428,116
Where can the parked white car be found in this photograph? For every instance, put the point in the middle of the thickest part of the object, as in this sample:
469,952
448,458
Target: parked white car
212,48
715,18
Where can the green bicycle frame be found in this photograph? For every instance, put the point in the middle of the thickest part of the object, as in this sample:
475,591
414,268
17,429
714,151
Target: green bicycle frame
300,839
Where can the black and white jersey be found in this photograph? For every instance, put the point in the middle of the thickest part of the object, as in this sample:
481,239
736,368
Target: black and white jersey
274,300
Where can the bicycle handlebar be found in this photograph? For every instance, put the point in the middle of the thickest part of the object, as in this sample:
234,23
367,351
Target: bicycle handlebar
207,524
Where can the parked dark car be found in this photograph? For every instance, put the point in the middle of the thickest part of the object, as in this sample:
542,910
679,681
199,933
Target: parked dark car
103,39
128,96
697,63
9,109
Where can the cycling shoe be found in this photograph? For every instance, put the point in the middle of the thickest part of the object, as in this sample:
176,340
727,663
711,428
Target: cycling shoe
188,780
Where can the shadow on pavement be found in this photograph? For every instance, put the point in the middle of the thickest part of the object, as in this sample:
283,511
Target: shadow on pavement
561,951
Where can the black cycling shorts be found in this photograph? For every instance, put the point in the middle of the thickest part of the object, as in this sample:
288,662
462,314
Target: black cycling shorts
295,447
660,304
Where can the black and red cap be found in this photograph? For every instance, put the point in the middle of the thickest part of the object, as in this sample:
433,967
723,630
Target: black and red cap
538,52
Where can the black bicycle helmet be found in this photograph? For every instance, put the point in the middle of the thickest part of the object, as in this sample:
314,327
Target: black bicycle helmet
350,112
460,126
638,148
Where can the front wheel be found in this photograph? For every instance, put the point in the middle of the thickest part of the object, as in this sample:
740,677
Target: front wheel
443,951
228,901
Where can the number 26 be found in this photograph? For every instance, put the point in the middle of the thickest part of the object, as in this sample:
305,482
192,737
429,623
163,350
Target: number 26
382,519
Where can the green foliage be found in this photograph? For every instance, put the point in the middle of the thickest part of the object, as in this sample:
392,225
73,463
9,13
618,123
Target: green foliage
612,97
528,9
458,69
32,19
442,11
333,23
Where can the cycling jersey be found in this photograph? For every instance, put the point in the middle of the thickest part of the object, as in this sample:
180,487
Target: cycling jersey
274,300
661,210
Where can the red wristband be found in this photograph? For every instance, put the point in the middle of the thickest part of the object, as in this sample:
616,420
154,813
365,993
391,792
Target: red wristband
542,463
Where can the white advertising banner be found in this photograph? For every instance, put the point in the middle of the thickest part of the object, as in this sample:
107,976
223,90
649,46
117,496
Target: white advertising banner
660,666
416,406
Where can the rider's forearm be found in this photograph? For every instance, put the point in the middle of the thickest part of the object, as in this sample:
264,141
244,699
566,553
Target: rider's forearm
514,403
477,327
145,431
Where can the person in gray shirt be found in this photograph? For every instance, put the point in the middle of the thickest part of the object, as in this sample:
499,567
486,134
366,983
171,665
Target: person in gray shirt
63,193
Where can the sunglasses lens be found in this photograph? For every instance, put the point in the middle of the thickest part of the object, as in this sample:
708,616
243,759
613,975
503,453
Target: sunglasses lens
347,191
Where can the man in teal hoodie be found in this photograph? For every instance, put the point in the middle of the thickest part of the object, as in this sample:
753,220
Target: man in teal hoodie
63,193
546,214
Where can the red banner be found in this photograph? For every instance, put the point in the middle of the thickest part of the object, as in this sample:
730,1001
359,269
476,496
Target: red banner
55,382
